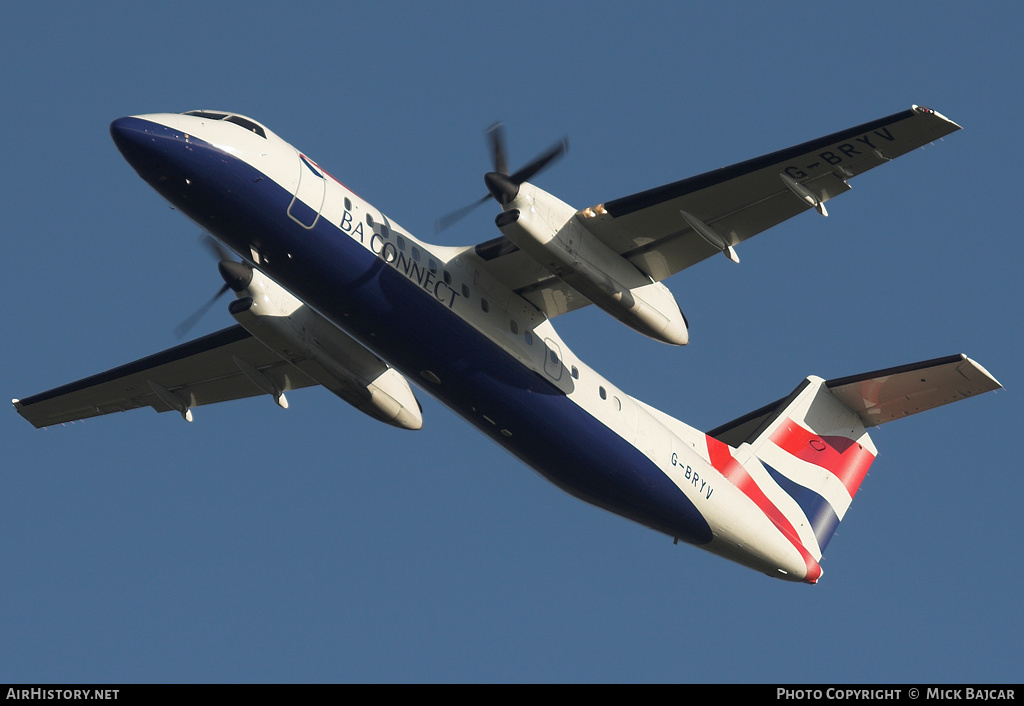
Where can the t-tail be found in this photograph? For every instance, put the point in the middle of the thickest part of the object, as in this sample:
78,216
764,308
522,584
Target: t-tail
811,450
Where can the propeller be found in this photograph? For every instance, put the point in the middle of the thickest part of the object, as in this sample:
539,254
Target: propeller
502,186
236,276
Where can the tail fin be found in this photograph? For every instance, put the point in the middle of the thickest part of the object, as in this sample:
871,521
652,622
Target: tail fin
818,452
814,446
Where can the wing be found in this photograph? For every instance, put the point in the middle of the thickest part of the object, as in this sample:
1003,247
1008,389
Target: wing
669,228
215,368
525,276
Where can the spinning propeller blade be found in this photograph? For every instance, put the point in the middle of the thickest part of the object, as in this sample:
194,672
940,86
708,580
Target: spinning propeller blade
236,275
502,186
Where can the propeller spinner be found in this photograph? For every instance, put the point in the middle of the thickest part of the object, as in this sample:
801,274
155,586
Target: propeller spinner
502,186
236,276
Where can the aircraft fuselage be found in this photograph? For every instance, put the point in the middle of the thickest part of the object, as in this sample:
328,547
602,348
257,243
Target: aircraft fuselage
475,345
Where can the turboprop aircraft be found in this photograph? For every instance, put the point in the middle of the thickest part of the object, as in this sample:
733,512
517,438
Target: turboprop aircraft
330,291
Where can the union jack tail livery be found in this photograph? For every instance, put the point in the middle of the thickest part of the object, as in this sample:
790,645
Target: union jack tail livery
818,452
802,459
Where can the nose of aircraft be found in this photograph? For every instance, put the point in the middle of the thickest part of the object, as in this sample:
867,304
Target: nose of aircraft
136,139
121,128
158,152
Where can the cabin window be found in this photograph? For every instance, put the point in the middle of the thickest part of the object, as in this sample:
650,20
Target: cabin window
553,356
529,338
604,393
415,255
484,305
465,290
513,326
369,219
447,277
401,243
575,373
348,204
431,265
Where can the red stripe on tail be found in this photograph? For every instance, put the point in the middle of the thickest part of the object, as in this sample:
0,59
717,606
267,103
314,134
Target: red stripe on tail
724,463
843,457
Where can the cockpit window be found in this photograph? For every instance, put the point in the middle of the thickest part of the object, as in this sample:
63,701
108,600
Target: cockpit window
208,114
247,124
228,118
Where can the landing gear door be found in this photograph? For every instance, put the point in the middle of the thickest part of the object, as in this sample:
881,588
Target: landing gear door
309,193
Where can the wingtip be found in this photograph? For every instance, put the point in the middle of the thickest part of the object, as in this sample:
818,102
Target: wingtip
928,111
994,384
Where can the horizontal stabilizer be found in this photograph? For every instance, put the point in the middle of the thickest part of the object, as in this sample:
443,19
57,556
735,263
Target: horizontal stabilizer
885,395
882,395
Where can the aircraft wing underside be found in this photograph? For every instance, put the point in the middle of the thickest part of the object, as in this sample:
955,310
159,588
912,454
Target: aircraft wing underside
659,230
526,277
207,370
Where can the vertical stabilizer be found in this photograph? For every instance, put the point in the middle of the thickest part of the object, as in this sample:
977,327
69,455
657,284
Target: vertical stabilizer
817,451
809,453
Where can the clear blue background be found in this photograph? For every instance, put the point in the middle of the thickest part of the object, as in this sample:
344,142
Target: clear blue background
315,544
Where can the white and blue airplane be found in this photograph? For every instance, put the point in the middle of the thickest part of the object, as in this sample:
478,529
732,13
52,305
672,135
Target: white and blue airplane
330,291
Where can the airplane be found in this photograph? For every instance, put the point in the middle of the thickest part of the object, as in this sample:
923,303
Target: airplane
330,291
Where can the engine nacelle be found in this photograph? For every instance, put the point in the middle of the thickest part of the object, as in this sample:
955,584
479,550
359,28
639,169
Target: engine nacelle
546,229
325,353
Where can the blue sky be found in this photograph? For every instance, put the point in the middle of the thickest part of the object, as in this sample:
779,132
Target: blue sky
315,544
